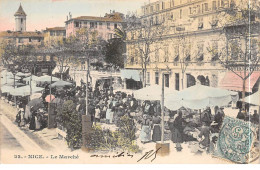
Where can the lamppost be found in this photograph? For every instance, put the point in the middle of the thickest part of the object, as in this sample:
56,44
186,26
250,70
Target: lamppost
86,119
14,71
163,148
49,108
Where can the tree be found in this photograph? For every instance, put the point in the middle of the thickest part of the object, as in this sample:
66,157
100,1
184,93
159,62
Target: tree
114,50
9,52
69,118
240,28
144,36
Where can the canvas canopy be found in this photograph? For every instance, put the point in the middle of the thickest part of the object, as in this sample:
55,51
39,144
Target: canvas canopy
47,78
25,91
130,74
34,78
153,92
253,99
200,97
6,89
60,84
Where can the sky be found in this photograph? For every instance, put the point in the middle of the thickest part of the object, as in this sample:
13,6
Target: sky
52,13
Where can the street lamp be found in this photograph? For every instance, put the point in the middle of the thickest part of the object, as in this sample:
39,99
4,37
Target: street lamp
86,119
163,148
14,71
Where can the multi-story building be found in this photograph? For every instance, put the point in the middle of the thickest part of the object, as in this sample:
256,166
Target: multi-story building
21,38
54,35
104,26
177,39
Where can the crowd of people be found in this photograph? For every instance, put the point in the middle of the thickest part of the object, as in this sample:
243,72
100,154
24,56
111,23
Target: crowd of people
107,107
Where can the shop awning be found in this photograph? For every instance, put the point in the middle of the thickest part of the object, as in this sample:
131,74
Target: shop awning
130,74
233,82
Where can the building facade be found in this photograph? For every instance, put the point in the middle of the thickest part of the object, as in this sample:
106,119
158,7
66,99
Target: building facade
21,39
187,46
20,36
104,26
54,35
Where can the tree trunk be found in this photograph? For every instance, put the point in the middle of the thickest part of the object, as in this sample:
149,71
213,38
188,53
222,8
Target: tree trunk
145,75
243,96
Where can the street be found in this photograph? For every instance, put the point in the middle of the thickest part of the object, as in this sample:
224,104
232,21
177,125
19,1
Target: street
8,140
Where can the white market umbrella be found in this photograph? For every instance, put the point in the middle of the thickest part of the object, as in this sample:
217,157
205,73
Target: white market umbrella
47,78
61,84
34,78
6,89
253,99
6,74
153,92
20,74
25,91
199,97
35,96
7,81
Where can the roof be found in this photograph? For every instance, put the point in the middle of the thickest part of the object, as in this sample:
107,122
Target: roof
9,34
93,18
56,29
20,11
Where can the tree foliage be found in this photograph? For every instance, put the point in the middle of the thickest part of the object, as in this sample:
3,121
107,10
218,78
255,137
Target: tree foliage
69,118
114,50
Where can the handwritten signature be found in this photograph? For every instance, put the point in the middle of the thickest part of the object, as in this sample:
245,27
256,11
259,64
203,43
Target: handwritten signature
118,155
149,154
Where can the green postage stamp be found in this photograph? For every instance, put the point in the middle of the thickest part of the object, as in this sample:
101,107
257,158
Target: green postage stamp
237,141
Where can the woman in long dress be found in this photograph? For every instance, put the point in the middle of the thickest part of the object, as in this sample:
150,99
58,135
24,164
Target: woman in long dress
156,128
145,135
175,125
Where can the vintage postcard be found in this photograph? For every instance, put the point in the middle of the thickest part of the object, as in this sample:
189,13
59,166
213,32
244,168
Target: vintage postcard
129,81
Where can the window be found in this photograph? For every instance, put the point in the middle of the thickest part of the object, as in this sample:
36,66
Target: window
91,24
198,9
214,51
108,25
39,40
200,26
176,52
156,77
177,81
167,80
100,25
172,3
214,5
95,24
30,40
148,77
151,21
190,10
162,5
166,54
76,24
200,56
157,55
21,21
151,9
157,7
52,33
85,23
115,26
180,13
206,6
